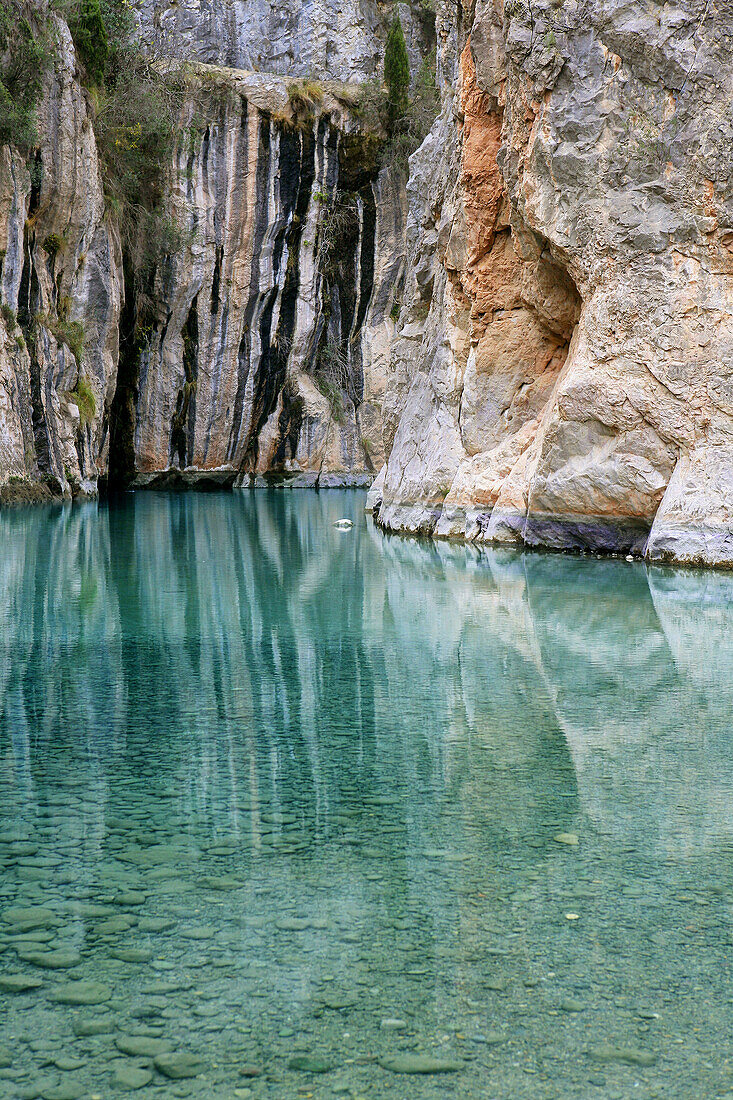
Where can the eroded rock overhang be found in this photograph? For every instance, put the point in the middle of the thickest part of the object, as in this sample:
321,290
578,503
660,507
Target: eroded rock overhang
562,371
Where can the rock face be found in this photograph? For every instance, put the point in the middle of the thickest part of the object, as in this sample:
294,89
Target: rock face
61,292
321,39
266,329
561,264
562,372
258,353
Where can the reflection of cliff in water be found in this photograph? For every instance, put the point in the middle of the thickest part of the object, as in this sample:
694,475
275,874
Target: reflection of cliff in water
270,657
461,644
244,630
631,664
637,660
59,635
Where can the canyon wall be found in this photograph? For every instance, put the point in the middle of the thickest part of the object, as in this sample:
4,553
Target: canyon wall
321,39
532,342
562,372
257,350
257,346
61,287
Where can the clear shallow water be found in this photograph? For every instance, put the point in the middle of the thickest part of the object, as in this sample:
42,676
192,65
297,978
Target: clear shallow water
271,791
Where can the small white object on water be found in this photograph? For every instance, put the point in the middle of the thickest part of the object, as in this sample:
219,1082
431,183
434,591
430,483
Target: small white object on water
343,524
629,557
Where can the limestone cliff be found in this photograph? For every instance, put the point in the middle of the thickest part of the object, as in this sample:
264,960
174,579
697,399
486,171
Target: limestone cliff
61,286
322,39
257,344
257,353
562,373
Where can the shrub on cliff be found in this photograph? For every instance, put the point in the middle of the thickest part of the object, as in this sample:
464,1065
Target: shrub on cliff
25,55
371,105
408,131
83,397
396,71
136,123
91,41
65,331
412,128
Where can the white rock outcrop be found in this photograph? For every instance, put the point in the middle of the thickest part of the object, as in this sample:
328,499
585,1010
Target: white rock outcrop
279,292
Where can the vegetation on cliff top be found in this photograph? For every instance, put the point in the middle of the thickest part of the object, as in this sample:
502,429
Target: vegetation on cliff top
136,121
89,31
25,55
135,108
408,127
396,71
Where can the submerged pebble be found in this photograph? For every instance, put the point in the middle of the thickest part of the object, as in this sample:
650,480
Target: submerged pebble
155,924
419,1063
132,954
51,960
26,918
82,993
178,1065
630,1055
18,983
311,1063
130,897
141,1046
96,1025
569,1004
65,1090
131,1077
250,1070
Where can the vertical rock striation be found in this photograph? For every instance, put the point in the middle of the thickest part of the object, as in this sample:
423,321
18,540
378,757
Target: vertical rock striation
258,330
258,346
61,292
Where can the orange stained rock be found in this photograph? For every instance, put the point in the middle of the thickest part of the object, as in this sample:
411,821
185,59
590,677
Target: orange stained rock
483,186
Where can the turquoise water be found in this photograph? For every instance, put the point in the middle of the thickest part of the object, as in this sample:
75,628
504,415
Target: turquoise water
281,798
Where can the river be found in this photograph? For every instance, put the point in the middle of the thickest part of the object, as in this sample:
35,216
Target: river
287,809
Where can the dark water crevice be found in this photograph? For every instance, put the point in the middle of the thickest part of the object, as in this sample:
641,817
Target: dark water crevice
184,418
122,412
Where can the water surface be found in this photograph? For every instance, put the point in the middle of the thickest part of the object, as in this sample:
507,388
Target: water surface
280,798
